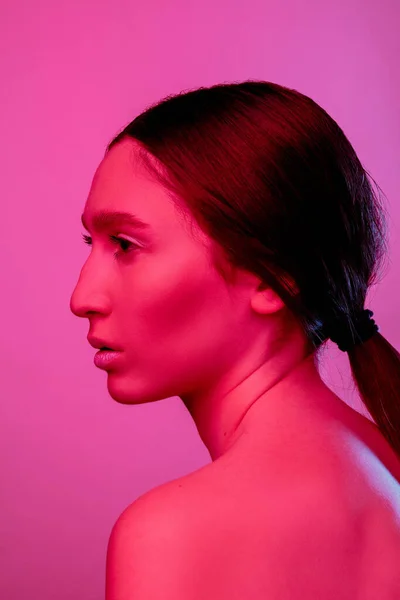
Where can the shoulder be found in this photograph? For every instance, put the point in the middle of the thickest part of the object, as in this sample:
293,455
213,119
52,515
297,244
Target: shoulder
151,545
173,542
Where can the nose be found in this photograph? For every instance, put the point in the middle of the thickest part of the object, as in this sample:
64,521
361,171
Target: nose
85,306
76,306
87,300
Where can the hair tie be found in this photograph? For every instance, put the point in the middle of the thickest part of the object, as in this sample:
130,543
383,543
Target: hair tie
362,328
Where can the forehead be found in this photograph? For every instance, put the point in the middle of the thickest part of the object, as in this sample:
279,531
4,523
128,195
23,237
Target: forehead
123,184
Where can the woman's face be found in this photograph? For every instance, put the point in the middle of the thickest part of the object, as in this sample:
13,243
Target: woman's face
160,301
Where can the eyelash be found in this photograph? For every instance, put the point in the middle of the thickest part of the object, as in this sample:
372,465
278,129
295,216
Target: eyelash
130,245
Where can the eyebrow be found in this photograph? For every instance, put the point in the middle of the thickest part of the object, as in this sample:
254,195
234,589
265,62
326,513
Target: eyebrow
104,219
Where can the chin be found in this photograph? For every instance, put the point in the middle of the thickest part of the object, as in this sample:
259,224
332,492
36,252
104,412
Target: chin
124,391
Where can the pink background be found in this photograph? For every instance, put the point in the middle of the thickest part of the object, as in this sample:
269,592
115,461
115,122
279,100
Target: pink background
72,74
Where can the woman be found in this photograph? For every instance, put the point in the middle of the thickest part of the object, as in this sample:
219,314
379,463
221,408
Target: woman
253,234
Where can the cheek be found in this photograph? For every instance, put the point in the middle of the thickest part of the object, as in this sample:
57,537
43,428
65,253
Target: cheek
178,307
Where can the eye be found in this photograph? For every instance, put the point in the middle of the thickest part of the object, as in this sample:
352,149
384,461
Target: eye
125,245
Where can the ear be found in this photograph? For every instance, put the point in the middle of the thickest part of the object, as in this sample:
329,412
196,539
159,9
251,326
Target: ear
266,301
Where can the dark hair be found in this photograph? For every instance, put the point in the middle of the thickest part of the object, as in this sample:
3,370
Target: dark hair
273,181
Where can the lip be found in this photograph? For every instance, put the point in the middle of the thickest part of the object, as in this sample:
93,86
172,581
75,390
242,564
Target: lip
97,342
105,358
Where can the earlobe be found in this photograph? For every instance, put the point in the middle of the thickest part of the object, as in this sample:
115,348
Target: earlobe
266,301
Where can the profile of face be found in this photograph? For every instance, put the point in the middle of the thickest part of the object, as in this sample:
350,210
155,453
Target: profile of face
153,292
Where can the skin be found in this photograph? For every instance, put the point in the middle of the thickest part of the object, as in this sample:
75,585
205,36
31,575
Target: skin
232,352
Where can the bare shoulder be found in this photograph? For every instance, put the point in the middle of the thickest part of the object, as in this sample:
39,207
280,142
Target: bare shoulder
236,527
252,494
209,537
